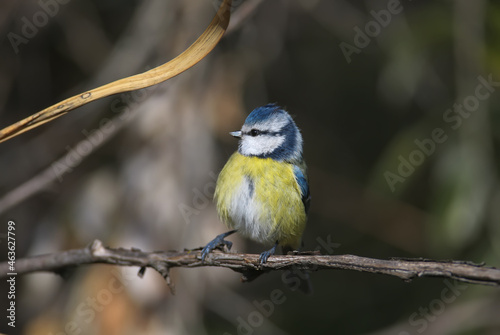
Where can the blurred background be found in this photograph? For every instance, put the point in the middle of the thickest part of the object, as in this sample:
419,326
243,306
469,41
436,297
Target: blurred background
398,105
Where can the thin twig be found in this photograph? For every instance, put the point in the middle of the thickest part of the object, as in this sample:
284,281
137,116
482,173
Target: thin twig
58,168
191,56
248,264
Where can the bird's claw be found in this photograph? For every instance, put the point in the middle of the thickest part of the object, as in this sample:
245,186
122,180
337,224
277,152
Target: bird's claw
214,244
266,254
263,257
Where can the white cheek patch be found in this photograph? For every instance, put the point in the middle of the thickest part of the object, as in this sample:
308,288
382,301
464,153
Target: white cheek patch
260,145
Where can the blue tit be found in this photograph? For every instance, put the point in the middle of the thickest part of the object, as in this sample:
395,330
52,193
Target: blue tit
262,191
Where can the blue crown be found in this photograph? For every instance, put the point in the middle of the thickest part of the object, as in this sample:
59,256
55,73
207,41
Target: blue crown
263,113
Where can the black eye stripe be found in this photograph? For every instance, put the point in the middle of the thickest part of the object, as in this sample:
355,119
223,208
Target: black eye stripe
256,132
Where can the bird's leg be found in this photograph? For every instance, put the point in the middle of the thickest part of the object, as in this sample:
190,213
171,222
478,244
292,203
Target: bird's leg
265,255
219,240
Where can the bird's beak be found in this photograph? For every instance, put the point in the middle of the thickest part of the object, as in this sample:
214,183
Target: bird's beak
236,133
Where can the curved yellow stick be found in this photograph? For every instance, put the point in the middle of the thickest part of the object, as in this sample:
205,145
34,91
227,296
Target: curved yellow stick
192,55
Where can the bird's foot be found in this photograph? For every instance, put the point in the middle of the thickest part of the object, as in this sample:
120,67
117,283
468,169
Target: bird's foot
266,254
216,242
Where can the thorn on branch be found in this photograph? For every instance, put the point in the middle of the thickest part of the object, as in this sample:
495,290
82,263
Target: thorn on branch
141,272
163,269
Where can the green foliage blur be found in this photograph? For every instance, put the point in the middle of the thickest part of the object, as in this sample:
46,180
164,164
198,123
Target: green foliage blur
398,102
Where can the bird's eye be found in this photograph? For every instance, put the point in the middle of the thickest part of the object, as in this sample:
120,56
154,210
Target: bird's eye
254,132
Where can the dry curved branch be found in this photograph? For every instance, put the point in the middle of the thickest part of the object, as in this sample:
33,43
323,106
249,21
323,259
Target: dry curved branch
248,264
192,55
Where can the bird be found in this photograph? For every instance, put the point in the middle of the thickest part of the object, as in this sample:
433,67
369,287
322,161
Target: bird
262,192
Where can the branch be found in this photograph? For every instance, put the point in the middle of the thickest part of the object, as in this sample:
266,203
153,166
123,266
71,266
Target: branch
187,59
248,264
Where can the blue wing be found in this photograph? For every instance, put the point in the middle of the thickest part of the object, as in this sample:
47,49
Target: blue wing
304,186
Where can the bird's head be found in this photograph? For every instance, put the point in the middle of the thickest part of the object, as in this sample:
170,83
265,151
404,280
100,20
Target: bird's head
270,132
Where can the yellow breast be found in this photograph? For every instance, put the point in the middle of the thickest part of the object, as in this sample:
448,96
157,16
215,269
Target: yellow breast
261,198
